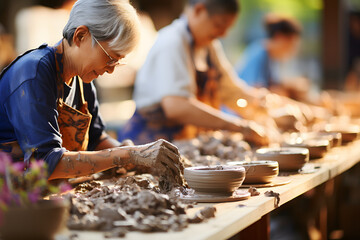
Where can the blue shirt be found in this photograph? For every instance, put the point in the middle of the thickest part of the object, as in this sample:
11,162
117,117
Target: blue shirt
255,67
28,107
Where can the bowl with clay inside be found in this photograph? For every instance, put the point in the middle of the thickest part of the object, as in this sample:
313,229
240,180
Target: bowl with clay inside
215,179
289,158
258,171
349,132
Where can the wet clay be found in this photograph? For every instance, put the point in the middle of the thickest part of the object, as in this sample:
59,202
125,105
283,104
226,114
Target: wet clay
275,195
163,160
214,148
131,204
253,191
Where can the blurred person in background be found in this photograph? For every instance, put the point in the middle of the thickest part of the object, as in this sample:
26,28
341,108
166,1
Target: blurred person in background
7,51
353,54
186,77
259,65
40,24
48,104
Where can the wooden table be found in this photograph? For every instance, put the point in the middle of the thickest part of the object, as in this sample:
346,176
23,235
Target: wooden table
233,217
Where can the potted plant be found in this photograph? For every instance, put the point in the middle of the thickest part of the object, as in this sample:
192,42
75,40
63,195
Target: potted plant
24,213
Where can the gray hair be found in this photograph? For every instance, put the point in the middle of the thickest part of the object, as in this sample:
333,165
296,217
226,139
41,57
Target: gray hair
115,21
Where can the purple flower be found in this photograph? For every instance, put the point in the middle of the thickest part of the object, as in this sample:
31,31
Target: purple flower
5,161
5,195
18,167
34,196
17,188
37,164
64,187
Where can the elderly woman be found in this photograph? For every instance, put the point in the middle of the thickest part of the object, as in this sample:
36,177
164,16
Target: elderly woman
48,104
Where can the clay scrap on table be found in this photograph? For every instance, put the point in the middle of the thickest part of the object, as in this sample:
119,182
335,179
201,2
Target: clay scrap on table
275,195
214,148
130,204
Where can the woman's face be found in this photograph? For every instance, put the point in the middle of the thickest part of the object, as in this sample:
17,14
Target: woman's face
287,45
93,59
208,27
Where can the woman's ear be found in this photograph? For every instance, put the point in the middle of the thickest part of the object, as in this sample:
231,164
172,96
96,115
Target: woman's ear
80,33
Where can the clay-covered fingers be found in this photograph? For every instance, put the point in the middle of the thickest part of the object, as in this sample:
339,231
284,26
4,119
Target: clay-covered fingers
169,146
174,158
171,162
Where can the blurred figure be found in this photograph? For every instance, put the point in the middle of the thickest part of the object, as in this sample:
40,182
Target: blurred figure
258,66
186,77
353,64
38,24
7,51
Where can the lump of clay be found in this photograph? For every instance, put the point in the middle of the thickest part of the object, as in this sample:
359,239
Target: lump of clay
131,204
215,148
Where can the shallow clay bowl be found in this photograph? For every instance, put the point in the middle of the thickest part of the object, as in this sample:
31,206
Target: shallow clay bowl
215,179
334,138
349,132
317,147
289,158
258,171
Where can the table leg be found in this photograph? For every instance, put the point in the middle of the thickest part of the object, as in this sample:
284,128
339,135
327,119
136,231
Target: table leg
259,230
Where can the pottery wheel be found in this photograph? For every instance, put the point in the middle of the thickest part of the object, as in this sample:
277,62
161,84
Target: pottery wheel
216,197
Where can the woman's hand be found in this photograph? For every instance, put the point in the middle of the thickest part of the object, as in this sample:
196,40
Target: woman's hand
255,133
162,157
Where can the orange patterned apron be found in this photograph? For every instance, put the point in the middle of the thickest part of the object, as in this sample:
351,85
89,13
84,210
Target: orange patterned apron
74,123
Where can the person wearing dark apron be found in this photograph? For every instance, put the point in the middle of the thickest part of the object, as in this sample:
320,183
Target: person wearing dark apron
185,79
48,104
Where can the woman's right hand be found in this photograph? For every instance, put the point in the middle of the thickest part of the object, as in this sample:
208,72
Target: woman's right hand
162,157
255,133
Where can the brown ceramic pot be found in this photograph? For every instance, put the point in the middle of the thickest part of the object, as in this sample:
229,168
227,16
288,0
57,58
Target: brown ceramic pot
349,132
289,158
38,221
258,171
215,179
334,138
317,147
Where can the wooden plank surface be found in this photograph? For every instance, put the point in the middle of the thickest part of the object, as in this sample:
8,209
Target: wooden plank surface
232,217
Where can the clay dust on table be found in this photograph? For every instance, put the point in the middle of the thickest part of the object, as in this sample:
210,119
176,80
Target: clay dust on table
130,204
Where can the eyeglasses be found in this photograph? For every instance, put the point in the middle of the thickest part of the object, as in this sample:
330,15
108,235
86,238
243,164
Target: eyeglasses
112,62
